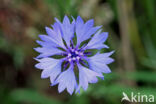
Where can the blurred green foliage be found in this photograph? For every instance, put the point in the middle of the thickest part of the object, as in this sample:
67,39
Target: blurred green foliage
22,20
31,96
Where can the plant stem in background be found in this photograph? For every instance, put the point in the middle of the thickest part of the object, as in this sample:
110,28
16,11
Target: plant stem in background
128,62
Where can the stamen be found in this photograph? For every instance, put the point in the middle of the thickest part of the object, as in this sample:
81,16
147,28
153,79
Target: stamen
74,58
74,55
77,52
69,59
69,54
77,57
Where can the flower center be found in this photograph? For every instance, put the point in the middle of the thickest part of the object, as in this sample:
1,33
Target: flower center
74,55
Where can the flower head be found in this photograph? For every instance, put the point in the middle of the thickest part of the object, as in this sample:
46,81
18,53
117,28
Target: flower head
66,54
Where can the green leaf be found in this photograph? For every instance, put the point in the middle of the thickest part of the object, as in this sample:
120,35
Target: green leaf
142,76
31,96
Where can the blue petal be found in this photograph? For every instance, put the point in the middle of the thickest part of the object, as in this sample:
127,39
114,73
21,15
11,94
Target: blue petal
89,24
46,44
99,62
46,38
51,68
67,80
84,31
91,31
56,27
97,41
53,41
79,25
86,76
46,52
55,35
44,63
67,29
79,28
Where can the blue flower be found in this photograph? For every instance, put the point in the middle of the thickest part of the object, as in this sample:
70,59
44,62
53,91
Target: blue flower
66,54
